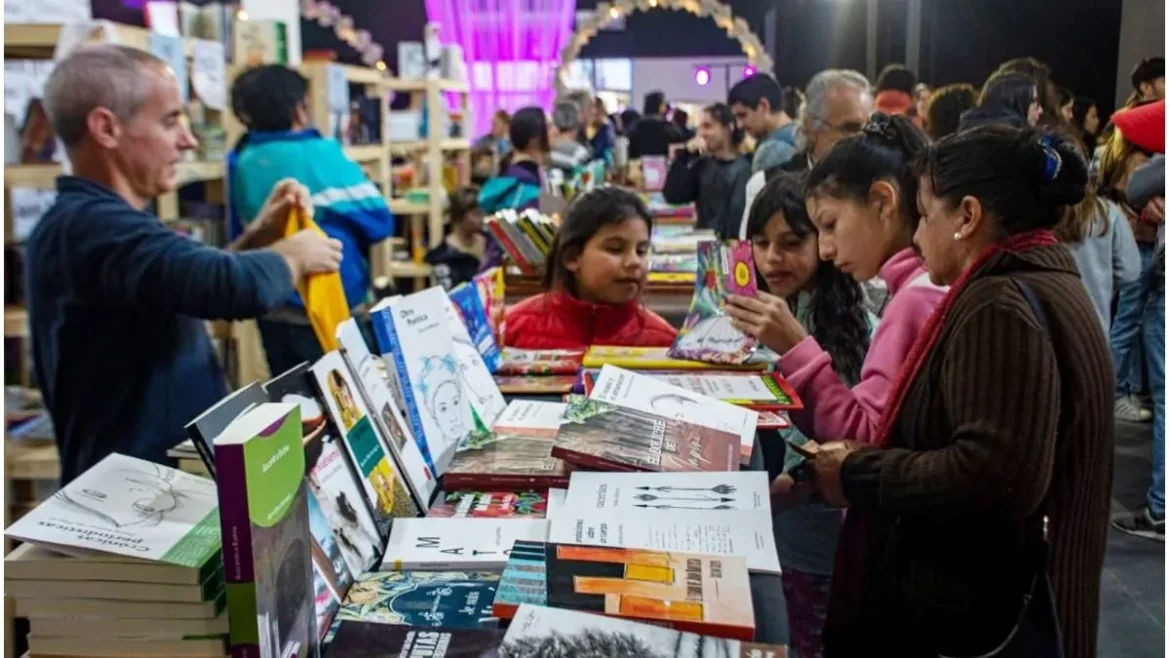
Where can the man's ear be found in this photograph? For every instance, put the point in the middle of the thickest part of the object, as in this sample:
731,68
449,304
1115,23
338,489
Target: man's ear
104,127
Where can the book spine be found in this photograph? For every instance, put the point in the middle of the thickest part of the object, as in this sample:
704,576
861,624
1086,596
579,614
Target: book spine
239,568
204,449
517,256
593,462
490,482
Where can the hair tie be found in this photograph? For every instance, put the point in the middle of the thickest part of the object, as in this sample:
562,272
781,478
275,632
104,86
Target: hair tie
1052,159
881,127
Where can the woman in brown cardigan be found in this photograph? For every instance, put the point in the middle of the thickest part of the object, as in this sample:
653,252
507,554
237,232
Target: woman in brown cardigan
998,433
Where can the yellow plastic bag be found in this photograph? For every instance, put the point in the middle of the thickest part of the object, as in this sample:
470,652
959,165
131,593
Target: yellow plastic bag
323,294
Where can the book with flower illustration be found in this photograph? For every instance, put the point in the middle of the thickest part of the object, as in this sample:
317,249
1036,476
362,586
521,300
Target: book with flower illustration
653,358
603,436
758,391
540,632
516,361
724,268
490,505
515,454
703,594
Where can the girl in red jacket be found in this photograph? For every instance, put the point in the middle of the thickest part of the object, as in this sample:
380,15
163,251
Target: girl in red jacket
594,275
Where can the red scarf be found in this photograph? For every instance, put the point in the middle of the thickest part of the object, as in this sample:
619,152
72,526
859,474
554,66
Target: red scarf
933,329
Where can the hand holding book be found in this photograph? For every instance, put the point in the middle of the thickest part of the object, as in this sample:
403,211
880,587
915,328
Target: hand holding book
768,318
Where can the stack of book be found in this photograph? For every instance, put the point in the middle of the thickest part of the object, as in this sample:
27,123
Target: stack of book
526,237
125,561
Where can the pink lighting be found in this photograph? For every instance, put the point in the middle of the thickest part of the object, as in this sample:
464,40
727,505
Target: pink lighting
702,76
749,71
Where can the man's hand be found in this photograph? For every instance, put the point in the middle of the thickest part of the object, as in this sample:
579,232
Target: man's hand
309,252
1155,211
830,457
768,318
285,195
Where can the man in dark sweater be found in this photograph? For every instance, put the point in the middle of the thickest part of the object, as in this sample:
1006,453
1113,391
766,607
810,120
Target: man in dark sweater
653,134
117,301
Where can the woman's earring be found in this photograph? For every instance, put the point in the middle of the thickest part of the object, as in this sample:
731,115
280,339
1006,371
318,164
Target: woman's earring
958,236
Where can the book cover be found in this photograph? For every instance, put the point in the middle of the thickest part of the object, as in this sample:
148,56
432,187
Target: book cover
259,42
707,333
745,490
388,417
130,507
516,361
210,423
490,505
652,358
691,592
759,391
330,475
487,403
490,286
647,394
605,436
453,544
382,483
539,632
414,332
264,518
467,299
535,384
506,459
355,639
425,599
331,575
533,417
745,533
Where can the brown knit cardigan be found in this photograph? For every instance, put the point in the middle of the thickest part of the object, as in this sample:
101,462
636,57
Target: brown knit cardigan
1003,419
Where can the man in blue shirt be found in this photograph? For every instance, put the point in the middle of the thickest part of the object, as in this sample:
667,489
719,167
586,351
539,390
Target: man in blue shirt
116,300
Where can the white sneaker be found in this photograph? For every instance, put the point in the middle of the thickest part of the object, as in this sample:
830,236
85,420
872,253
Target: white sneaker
1128,409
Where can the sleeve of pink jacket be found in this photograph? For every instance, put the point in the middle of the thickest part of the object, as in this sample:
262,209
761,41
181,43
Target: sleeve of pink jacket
832,410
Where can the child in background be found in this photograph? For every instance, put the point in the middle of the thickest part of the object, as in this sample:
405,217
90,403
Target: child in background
520,180
595,272
457,259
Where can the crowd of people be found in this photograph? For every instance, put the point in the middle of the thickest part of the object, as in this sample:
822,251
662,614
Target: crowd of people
965,287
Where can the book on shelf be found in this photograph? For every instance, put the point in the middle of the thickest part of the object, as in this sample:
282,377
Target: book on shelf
705,594
467,299
537,632
453,544
209,424
517,361
526,237
490,505
387,415
604,436
382,482
755,390
740,490
423,599
355,639
515,454
647,394
653,358
744,533
536,384
330,476
707,334
265,522
487,403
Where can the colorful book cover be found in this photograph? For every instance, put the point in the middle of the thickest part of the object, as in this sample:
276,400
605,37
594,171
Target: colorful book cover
388,417
355,639
707,333
506,459
535,384
490,286
423,599
691,592
759,391
414,332
330,475
487,403
605,436
669,491
539,632
490,505
516,361
475,316
452,544
210,423
652,358
382,483
331,575
264,518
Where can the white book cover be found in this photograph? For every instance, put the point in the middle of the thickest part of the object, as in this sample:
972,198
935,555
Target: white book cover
540,631
414,329
478,384
707,491
448,543
645,393
556,501
395,434
531,417
131,507
742,533
746,386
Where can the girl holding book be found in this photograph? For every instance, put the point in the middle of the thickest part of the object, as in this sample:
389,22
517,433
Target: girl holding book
829,304
595,272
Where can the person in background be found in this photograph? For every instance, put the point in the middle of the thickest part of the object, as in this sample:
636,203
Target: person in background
982,508
627,118
945,108
598,132
1148,80
757,103
117,301
271,102
1008,99
520,180
680,118
653,134
496,141
458,258
895,89
922,94
595,273
1046,93
711,172
1066,103
566,153
1087,120
830,306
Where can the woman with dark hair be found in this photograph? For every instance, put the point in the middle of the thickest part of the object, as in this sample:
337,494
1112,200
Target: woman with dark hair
521,178
945,109
1066,103
1041,75
1007,98
978,517
1087,120
711,172
830,305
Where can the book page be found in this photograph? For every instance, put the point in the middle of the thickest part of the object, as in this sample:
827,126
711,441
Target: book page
710,491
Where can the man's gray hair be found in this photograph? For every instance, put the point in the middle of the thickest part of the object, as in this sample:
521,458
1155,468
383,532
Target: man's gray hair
818,89
104,75
580,98
566,117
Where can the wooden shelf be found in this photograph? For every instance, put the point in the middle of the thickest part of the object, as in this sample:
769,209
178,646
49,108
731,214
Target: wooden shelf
362,75
365,152
404,207
15,322
31,460
398,84
44,176
449,144
38,41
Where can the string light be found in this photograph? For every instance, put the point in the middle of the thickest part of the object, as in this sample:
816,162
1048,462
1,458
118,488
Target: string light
242,15
380,65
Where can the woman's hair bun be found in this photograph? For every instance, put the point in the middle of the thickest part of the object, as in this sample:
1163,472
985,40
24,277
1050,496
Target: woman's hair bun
1057,167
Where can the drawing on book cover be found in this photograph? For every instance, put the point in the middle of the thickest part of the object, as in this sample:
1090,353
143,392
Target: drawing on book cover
325,602
155,496
681,407
707,333
327,555
343,398
439,383
507,453
283,577
491,505
452,599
